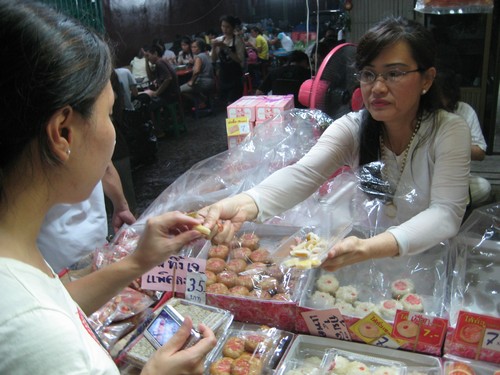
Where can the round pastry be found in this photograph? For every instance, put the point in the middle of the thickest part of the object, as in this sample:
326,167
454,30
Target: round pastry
345,307
356,368
267,283
222,366
233,347
389,307
412,302
364,308
217,288
246,366
250,240
261,255
386,370
260,294
327,283
253,341
236,265
369,330
321,300
211,278
228,278
401,287
241,253
246,281
347,293
274,271
407,329
215,265
219,251
239,290
339,366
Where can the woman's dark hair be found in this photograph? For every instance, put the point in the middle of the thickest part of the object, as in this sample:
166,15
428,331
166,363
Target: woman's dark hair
202,46
55,62
186,40
423,50
256,29
233,21
449,83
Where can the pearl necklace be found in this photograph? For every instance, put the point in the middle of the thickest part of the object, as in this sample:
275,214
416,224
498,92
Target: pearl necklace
386,170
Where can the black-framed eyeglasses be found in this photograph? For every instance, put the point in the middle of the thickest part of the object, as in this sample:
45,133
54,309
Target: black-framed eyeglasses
393,75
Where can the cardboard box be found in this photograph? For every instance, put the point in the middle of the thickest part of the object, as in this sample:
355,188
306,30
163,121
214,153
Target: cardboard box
270,106
243,107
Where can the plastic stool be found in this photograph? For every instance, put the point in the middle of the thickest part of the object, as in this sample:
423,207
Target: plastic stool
171,111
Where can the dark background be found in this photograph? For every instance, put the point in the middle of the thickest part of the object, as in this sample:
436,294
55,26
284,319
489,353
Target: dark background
131,24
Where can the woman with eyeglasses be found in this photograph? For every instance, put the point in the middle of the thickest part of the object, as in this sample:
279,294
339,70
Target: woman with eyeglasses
420,148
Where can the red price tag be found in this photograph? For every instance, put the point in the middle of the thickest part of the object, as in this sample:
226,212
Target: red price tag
415,327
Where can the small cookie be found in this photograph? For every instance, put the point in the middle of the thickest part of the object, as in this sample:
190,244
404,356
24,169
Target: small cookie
369,330
241,253
250,240
211,278
261,255
401,287
228,278
327,283
219,251
356,368
233,347
217,288
222,366
239,290
236,265
215,265
347,293
412,302
389,307
321,300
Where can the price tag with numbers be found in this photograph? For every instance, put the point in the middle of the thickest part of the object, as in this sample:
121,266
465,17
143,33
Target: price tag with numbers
327,323
195,287
491,340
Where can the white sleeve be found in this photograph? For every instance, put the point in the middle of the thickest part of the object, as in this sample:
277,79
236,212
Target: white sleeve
338,146
448,158
470,117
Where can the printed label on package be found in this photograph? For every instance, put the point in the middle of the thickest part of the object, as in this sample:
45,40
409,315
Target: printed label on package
237,126
327,323
171,275
374,330
195,287
419,328
478,331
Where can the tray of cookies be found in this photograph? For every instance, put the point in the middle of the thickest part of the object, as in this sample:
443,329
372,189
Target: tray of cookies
246,278
249,349
314,355
339,362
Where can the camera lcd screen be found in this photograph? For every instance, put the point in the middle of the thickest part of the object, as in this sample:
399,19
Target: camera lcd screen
163,327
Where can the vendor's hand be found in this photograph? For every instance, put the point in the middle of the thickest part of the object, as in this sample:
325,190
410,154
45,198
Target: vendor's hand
163,236
172,360
149,92
353,250
229,215
121,217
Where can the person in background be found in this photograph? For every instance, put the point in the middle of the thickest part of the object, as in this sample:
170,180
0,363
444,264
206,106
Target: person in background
404,135
259,44
285,41
165,88
57,141
138,68
169,55
129,86
480,188
292,74
229,50
203,80
185,56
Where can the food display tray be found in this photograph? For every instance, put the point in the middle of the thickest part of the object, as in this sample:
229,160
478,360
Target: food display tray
275,313
305,346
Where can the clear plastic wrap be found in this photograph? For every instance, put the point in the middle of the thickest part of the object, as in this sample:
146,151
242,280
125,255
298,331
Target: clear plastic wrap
249,349
454,6
342,361
476,284
273,145
310,354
